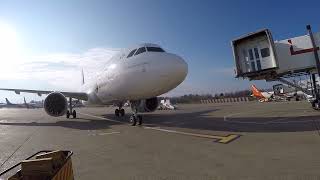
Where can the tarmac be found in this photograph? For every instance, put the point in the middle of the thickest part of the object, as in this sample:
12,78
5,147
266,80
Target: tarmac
244,140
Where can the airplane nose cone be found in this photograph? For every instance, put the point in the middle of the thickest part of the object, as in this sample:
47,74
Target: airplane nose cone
180,68
164,72
176,70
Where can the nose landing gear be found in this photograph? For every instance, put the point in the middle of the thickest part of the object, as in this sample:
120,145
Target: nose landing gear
139,120
134,118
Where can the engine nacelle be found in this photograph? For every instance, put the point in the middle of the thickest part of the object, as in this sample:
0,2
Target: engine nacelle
55,104
146,105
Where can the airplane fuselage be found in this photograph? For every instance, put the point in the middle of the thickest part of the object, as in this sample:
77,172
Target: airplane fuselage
145,75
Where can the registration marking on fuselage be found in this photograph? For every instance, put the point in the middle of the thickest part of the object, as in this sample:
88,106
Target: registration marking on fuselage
217,138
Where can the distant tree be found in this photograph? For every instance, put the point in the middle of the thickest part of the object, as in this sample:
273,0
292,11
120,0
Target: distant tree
196,98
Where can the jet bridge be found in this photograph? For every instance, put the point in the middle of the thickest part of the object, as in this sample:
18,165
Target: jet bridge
258,57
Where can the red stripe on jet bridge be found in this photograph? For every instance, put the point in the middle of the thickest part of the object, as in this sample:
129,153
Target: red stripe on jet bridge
302,51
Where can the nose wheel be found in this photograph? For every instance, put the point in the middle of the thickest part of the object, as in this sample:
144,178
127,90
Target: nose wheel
68,114
139,120
134,119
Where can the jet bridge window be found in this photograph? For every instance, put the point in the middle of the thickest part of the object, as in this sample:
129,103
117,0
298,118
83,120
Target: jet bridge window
265,52
131,53
155,49
140,50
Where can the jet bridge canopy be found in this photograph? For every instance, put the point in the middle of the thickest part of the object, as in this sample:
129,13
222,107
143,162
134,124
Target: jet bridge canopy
254,55
257,56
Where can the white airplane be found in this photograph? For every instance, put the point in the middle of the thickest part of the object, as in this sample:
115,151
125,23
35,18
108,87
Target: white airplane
137,74
8,104
263,96
33,104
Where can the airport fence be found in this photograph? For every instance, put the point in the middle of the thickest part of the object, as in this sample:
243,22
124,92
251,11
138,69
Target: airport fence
225,100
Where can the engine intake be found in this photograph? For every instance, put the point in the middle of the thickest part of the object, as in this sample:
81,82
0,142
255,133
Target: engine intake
55,104
146,105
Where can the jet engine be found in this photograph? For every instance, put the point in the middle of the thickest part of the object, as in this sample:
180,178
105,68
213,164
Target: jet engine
55,104
145,105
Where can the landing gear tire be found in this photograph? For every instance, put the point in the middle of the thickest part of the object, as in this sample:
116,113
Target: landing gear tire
122,112
68,114
74,114
117,112
133,120
139,120
315,105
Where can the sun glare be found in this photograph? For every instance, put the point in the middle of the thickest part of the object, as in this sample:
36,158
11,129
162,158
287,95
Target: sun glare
9,45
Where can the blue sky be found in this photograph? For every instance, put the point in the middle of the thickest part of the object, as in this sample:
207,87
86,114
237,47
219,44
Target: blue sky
56,38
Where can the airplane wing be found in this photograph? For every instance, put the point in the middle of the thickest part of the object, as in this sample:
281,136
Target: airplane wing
76,95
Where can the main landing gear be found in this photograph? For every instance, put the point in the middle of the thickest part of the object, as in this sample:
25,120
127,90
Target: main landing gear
120,111
74,113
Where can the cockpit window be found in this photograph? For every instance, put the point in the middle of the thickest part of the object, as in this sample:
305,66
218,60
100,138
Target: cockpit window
155,49
131,53
140,50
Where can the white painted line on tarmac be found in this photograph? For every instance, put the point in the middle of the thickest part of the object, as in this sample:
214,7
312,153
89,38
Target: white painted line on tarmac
109,133
270,122
94,133
220,139
217,138
230,115
111,120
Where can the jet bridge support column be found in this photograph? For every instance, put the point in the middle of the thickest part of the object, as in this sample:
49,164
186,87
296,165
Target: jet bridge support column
311,82
314,82
316,56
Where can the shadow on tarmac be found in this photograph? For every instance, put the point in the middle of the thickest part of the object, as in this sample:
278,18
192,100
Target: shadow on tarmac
195,120
201,121
88,124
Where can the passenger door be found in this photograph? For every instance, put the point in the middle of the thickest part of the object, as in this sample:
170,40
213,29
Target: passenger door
254,58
